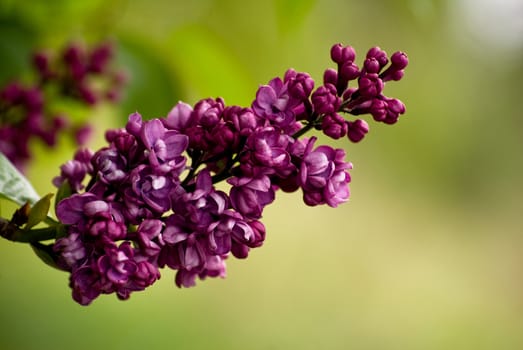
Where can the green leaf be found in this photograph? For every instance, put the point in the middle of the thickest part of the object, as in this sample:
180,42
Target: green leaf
39,211
13,185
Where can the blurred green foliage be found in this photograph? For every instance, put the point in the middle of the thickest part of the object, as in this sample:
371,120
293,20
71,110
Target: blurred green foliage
427,255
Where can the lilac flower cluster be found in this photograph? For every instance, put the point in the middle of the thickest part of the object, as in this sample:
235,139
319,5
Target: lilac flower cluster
150,199
26,112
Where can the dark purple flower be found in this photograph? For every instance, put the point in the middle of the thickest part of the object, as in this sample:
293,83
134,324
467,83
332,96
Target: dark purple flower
246,238
252,234
188,253
165,147
243,120
179,117
149,234
74,172
347,72
342,54
268,149
371,66
398,62
214,267
394,108
379,55
330,76
138,215
357,130
71,250
300,85
110,165
370,85
134,124
207,113
323,176
325,99
334,125
274,103
153,189
145,275
204,205
117,265
250,195
86,285
122,273
72,210
219,238
107,228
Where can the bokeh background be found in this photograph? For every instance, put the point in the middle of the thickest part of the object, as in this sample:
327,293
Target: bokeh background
427,254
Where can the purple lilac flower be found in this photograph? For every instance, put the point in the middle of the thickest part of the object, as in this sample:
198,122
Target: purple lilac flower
323,175
165,147
71,249
300,85
152,188
179,117
357,130
325,99
148,206
250,195
266,152
334,125
74,171
275,104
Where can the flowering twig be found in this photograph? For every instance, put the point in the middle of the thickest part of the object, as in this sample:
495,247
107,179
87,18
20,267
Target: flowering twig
137,215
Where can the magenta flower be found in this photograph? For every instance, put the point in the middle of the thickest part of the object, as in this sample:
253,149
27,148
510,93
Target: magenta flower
179,117
151,200
274,103
266,152
325,100
250,195
323,176
357,130
153,189
72,210
165,147
334,125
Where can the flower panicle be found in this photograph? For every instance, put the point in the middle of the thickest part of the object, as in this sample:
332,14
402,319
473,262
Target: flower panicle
148,200
84,75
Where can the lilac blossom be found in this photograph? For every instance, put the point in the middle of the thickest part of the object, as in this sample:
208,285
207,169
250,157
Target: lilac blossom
74,171
325,99
250,195
266,152
79,75
334,125
324,176
151,200
275,104
152,188
357,130
165,147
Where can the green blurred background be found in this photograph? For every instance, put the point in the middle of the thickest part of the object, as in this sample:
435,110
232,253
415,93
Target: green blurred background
426,255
